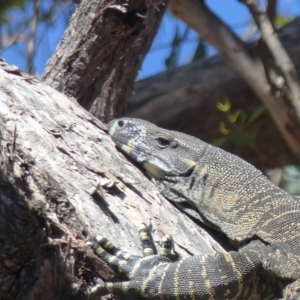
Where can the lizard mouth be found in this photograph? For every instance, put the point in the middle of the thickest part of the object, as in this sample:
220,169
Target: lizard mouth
129,150
155,167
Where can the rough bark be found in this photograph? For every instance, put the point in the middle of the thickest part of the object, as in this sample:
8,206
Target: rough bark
61,182
97,59
186,99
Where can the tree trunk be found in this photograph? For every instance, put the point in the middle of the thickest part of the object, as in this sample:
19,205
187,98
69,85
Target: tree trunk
62,182
186,99
97,59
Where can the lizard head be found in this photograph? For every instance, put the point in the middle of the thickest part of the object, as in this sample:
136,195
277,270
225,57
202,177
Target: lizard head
161,152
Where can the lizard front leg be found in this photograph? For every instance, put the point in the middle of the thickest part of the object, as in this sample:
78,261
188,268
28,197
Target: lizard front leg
232,275
143,273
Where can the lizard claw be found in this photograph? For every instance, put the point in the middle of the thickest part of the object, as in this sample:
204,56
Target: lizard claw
143,272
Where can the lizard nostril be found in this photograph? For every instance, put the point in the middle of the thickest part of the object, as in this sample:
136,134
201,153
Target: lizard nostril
121,123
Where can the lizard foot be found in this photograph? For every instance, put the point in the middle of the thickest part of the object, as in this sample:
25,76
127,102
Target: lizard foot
143,272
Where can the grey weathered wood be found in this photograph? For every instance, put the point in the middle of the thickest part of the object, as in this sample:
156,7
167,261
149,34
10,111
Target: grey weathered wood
101,51
63,181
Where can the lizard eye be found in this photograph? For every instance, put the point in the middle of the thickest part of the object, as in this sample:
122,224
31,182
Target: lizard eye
163,142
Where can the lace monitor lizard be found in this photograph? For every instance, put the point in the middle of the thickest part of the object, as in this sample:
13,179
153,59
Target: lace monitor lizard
224,192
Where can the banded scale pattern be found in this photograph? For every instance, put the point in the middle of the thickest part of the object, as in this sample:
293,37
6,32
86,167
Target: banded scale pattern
233,275
228,194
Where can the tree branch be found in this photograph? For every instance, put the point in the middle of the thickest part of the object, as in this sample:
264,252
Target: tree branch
287,83
247,63
111,39
187,99
30,40
271,11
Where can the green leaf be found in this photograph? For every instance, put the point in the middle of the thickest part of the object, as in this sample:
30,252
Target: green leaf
224,106
219,141
232,117
256,113
223,128
241,138
282,20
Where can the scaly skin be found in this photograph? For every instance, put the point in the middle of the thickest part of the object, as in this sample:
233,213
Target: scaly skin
228,194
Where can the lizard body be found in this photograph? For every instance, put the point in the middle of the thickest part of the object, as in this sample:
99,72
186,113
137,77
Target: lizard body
228,194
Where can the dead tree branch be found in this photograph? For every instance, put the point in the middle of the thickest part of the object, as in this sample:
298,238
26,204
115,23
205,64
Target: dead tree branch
272,11
30,41
247,63
287,82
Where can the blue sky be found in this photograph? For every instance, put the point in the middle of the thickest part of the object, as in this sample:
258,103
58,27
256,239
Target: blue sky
232,12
